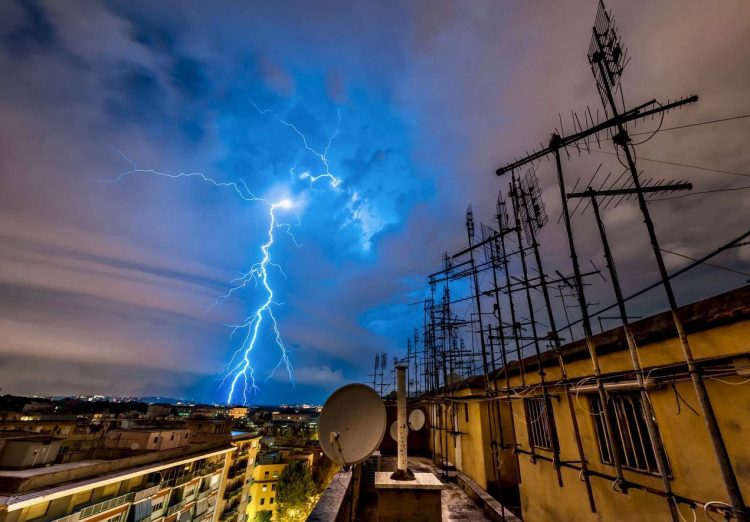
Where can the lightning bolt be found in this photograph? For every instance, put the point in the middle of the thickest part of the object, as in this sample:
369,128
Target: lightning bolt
322,156
239,371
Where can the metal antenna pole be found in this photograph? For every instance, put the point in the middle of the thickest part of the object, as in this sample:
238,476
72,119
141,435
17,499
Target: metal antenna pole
648,412
556,343
515,326
493,407
623,141
502,221
478,301
515,196
620,482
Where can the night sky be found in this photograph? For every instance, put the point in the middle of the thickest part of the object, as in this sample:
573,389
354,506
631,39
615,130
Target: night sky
107,287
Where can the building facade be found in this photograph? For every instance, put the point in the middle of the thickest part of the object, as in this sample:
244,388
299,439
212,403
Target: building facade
527,443
265,478
177,486
238,477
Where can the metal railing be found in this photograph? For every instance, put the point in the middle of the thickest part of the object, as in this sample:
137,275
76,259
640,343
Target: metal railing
140,495
73,517
98,507
177,507
228,513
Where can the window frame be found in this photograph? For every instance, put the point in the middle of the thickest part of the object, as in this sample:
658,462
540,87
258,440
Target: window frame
541,436
627,417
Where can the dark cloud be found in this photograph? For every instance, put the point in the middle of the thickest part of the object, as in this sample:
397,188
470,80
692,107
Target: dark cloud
34,31
114,282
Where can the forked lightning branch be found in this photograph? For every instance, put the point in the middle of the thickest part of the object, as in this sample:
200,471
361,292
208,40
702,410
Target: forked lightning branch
240,372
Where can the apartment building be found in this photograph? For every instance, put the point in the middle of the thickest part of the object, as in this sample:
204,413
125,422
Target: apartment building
265,478
544,430
233,504
239,412
177,485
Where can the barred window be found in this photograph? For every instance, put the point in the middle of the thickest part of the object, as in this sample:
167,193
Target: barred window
539,422
630,432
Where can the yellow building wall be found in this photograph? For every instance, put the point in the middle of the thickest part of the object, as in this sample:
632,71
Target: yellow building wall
694,470
256,488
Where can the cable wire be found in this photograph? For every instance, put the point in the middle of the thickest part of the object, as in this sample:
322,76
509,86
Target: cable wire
696,124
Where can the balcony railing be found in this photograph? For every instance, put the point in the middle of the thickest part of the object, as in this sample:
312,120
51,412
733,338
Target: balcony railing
105,505
144,493
73,517
177,507
231,491
238,468
229,513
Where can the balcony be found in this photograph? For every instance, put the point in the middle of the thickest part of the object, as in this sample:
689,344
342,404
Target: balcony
232,490
145,493
238,468
73,517
229,513
178,506
98,507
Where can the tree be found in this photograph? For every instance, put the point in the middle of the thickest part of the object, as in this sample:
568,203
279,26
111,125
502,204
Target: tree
323,472
294,491
263,516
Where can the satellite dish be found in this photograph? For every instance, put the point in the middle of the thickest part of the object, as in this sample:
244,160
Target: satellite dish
352,424
416,420
394,430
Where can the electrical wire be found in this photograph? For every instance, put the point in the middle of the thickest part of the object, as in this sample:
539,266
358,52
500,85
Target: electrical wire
675,164
692,508
714,265
710,503
732,383
654,132
696,124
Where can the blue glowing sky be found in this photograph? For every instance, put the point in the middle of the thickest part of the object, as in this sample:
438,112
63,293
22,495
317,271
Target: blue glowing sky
108,287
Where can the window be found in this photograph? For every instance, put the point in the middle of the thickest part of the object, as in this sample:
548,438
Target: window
265,487
265,474
539,422
157,505
262,501
630,435
275,474
271,501
273,487
466,411
156,439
